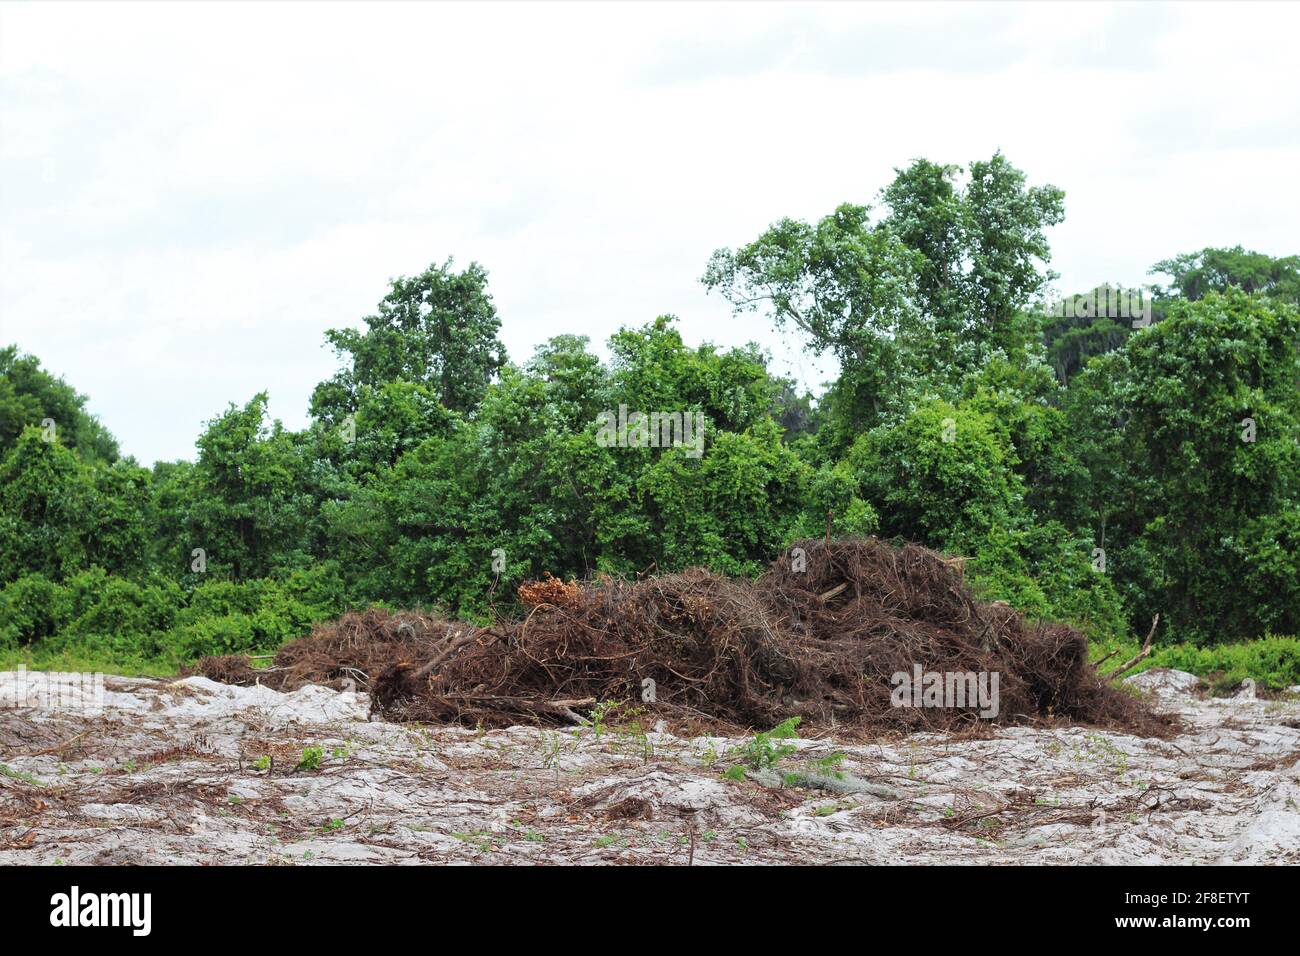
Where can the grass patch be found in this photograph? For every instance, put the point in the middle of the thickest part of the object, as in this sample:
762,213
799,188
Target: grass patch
12,774
1272,662
85,661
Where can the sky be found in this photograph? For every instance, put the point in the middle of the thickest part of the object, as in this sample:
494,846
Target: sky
191,194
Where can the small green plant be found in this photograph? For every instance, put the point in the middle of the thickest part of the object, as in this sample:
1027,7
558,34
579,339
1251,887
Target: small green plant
480,840
262,763
602,711
551,745
12,774
640,741
311,759
334,825
762,751
1099,749
829,766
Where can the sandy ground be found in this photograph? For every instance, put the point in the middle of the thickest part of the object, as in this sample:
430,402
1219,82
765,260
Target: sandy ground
197,772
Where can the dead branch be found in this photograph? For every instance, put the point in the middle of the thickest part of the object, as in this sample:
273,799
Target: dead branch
1140,656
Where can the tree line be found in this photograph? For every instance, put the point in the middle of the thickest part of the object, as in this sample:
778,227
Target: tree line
1091,469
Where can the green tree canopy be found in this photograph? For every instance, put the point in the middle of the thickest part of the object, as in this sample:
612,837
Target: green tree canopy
1191,434
29,395
915,301
437,329
1196,274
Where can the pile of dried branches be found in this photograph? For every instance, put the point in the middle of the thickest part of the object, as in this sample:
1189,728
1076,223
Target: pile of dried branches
820,636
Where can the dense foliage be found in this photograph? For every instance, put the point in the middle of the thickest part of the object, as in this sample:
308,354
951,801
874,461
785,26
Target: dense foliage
1089,468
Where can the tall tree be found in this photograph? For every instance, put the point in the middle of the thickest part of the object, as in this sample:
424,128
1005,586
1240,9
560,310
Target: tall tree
848,285
29,395
244,502
1006,246
915,301
438,329
1191,433
1195,274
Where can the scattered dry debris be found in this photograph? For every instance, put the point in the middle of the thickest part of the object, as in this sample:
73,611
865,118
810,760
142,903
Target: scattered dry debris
194,771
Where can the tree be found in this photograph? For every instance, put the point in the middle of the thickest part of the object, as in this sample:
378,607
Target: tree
1196,274
576,379
943,476
60,515
244,502
390,420
1007,247
910,304
1191,433
29,396
45,491
652,369
1073,331
952,477
849,286
437,329
1022,402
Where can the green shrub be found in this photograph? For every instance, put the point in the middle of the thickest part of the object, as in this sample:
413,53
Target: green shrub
118,616
760,751
1272,662
1045,572
941,476
32,608
124,623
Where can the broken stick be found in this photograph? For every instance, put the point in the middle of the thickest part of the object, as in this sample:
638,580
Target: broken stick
1140,656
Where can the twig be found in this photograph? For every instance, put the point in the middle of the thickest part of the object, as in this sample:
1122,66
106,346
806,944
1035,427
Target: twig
561,707
832,592
1097,664
452,643
1140,656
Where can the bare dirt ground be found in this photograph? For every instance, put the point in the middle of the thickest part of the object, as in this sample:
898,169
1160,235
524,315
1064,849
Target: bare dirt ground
195,772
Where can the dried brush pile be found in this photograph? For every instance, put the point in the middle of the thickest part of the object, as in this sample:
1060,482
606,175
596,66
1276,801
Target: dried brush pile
819,638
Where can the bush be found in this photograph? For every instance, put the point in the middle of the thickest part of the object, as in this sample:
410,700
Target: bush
1045,571
117,616
32,608
942,476
1272,662
227,617
105,618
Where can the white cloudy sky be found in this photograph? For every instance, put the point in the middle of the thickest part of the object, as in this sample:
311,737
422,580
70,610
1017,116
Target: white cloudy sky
191,194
